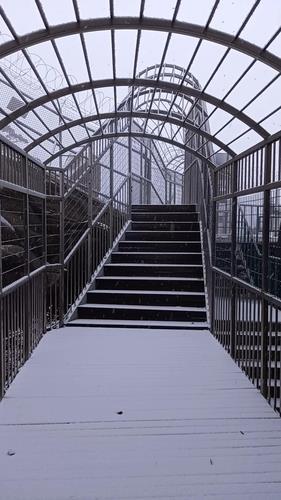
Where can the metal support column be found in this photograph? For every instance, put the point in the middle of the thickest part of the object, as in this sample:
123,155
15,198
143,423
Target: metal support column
166,184
141,175
265,256
2,358
111,194
90,212
213,251
233,260
28,325
45,253
61,300
130,175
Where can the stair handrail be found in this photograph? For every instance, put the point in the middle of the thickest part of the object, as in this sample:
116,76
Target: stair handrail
94,222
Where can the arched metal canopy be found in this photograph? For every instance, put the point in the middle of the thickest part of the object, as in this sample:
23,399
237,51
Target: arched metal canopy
134,114
147,24
126,82
135,135
172,80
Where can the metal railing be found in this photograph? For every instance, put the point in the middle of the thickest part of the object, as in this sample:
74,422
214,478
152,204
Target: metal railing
87,255
57,227
245,313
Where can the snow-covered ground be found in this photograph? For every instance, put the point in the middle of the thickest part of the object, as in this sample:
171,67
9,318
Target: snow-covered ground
136,414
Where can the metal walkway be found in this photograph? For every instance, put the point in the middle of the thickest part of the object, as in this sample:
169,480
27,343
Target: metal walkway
127,414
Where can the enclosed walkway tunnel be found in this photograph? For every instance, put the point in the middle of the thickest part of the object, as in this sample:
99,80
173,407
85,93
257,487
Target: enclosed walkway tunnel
111,105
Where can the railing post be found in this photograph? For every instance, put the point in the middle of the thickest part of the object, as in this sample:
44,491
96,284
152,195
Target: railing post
1,268
2,369
141,175
90,215
265,256
130,176
111,194
61,301
27,296
166,185
45,247
233,259
213,250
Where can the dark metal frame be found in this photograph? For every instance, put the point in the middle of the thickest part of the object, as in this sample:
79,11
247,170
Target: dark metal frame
245,318
140,24
132,115
139,82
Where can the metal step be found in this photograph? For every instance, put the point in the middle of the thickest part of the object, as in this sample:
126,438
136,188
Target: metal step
144,297
150,283
160,246
165,216
165,226
199,326
155,276
163,208
162,235
134,269
141,312
157,258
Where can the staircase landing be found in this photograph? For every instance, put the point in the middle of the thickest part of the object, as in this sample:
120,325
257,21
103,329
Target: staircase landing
192,425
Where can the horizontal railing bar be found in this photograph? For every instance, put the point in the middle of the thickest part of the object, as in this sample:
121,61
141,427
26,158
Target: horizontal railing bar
244,284
120,187
76,182
77,245
95,221
23,153
150,182
244,192
20,189
252,149
16,284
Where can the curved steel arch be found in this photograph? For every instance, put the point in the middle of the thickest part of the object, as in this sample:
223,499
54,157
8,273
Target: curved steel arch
144,23
128,114
144,92
173,113
173,159
128,82
134,135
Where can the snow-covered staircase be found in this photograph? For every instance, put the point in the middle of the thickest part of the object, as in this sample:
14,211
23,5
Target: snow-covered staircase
155,277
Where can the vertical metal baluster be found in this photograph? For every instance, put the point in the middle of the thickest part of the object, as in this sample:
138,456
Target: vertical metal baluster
265,256
61,250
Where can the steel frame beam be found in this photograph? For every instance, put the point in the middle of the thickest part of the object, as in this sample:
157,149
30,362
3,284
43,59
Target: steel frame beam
144,23
124,82
125,114
134,135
